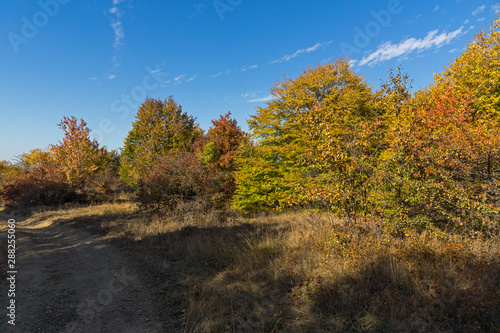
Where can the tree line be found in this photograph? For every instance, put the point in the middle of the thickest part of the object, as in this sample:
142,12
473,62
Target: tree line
326,141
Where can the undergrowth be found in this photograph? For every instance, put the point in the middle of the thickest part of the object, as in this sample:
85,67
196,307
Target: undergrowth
305,272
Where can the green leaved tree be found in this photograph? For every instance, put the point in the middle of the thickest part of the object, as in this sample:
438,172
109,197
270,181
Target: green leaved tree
306,142
161,128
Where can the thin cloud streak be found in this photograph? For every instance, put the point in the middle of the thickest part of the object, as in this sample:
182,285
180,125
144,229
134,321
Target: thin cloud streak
479,10
192,78
179,78
301,51
261,99
118,30
245,68
119,33
387,51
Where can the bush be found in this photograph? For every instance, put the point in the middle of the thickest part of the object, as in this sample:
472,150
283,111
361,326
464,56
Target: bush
181,178
8,172
35,189
171,180
105,187
45,186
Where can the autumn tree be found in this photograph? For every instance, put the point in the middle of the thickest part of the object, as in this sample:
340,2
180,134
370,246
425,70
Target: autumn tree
78,157
41,185
35,158
303,142
221,142
441,165
268,178
477,72
8,172
74,170
204,175
396,103
39,182
161,128
217,151
337,112
455,163
269,169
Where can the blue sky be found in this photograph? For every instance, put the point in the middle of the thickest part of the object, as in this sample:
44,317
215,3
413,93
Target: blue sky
97,60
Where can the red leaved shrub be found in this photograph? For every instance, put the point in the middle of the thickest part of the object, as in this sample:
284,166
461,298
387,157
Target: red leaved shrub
38,188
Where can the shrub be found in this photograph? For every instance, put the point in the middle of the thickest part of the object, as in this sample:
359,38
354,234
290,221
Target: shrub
171,180
36,188
8,172
104,187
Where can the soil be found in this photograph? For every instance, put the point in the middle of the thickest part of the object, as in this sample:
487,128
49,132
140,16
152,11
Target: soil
70,281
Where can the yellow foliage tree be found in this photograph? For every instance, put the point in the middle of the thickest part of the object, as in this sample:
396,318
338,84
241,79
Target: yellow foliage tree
310,143
35,158
477,72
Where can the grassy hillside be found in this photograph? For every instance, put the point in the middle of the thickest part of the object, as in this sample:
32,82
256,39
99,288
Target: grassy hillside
304,271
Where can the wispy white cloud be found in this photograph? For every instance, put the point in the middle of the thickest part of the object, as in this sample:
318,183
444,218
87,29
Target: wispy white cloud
387,51
229,71
246,67
479,10
184,78
192,78
111,76
436,8
301,51
495,8
261,99
115,11
179,78
353,62
250,94
251,97
119,33
95,79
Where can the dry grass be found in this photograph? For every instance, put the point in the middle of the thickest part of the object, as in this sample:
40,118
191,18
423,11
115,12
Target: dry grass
304,272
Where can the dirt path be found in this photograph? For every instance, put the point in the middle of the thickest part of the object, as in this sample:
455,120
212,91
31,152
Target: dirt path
70,281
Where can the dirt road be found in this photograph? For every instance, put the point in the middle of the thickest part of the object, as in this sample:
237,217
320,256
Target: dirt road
70,281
